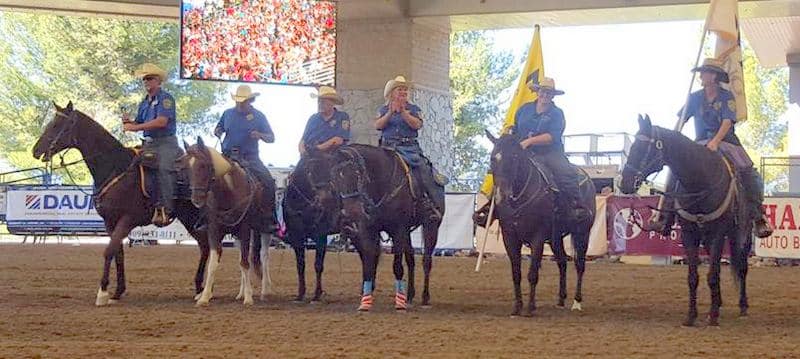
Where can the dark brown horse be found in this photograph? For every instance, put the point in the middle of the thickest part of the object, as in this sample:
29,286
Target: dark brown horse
237,203
376,194
306,217
711,206
118,196
525,203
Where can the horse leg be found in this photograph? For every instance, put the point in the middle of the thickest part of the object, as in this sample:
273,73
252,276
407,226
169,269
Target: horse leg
410,264
398,248
557,245
265,239
300,259
430,235
580,241
202,244
713,280
404,294
369,262
513,250
691,244
119,260
120,231
740,249
245,234
533,270
215,245
319,265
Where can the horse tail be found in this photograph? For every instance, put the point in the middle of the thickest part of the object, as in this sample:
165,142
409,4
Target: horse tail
740,250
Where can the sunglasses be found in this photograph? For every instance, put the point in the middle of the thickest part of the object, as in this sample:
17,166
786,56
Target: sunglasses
149,78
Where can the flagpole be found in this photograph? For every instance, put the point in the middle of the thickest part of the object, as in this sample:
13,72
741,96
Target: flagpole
486,233
680,123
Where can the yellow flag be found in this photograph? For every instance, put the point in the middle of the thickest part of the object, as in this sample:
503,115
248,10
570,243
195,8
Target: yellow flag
532,72
723,21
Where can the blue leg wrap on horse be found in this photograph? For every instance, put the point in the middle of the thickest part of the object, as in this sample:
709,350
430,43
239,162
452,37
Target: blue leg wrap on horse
367,289
399,286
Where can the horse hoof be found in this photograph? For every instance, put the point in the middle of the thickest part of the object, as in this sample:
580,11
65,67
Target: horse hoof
248,302
102,298
239,296
576,305
263,297
688,323
197,296
426,306
201,303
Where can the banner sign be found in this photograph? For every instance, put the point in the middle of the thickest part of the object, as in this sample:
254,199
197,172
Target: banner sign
625,237
785,240
52,209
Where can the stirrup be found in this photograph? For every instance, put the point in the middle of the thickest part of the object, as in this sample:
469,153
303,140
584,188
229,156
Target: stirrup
160,217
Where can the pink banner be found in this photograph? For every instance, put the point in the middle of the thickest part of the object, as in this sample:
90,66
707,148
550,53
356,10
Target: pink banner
625,237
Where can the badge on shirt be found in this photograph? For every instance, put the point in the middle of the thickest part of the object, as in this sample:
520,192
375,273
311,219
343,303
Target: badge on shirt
732,105
717,105
346,125
250,117
167,104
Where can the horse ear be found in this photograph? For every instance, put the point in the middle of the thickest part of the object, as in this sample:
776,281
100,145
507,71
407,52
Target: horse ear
69,106
644,123
200,141
185,145
490,136
647,118
56,106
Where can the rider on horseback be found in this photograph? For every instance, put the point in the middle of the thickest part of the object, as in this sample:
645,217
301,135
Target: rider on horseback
399,122
540,125
243,127
714,112
156,118
329,128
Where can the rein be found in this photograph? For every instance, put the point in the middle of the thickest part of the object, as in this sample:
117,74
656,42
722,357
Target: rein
362,179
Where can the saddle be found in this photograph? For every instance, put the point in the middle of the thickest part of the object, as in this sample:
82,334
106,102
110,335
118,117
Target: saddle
146,167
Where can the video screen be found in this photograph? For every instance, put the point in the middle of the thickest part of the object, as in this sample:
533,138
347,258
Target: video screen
264,41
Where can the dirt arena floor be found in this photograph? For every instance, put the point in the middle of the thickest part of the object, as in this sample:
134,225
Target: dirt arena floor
47,295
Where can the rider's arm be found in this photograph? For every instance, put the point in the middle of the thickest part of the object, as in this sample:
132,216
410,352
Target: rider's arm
554,128
384,115
330,143
264,131
159,122
412,117
220,129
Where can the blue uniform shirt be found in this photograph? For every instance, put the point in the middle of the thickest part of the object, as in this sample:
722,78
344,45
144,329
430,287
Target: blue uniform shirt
237,127
318,130
528,123
397,126
162,104
708,115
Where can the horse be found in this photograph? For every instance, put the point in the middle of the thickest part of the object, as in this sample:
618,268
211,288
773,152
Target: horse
237,203
119,194
376,193
525,204
306,217
714,212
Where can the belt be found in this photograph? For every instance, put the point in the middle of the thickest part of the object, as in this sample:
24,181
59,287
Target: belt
401,140
151,139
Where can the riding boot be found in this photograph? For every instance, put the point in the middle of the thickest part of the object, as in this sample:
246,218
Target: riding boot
568,201
753,186
481,215
432,194
664,217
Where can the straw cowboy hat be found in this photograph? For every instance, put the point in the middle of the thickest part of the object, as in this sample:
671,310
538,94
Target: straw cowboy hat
546,84
243,93
326,92
395,83
713,65
150,69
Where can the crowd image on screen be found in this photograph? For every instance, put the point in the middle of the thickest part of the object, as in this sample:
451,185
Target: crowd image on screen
257,40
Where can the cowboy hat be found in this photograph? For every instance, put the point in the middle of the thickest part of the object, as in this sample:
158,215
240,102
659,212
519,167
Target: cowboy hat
147,69
713,65
395,83
546,84
326,92
243,93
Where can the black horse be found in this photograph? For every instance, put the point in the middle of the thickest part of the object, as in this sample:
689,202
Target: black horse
118,183
306,217
377,194
710,206
525,203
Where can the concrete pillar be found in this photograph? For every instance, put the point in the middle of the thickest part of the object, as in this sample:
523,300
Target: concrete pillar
793,60
372,51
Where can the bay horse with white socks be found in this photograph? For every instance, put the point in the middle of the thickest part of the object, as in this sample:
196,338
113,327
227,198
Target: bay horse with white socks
711,206
119,196
525,203
237,203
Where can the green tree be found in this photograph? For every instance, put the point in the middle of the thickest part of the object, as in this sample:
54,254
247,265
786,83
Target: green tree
89,61
478,76
764,134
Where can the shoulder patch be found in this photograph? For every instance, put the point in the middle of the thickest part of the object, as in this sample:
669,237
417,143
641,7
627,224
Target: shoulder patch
167,103
732,105
346,124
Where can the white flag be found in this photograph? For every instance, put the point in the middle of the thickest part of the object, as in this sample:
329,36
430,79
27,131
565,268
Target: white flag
724,23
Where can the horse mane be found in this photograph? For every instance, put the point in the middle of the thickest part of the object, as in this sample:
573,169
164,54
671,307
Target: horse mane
220,165
104,140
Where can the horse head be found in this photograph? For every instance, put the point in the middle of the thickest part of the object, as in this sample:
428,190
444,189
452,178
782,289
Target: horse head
60,134
317,171
506,158
204,165
646,156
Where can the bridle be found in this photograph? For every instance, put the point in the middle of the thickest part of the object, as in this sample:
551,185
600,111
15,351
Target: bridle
654,145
